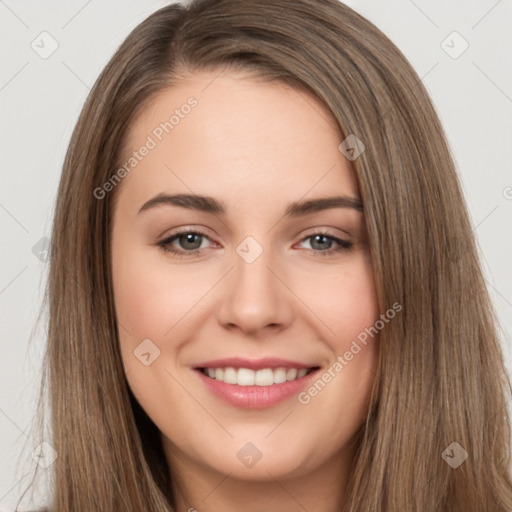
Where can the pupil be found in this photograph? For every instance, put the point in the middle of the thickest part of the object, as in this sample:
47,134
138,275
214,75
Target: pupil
320,238
189,239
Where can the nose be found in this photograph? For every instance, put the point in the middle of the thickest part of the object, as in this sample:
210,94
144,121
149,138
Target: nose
255,296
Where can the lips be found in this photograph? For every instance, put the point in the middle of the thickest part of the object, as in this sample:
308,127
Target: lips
254,384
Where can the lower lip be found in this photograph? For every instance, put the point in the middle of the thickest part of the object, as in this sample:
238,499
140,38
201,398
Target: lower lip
255,397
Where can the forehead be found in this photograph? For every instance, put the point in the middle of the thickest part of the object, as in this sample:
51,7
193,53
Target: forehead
231,135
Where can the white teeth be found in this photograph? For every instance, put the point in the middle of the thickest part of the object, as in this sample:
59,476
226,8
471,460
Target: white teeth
248,377
264,377
230,376
279,375
291,374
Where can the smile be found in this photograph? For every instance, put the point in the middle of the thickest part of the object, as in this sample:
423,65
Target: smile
248,377
254,384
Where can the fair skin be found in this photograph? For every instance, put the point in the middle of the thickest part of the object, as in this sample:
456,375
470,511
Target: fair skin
256,147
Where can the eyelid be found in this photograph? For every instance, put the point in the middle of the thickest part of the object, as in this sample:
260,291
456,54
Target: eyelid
189,228
331,231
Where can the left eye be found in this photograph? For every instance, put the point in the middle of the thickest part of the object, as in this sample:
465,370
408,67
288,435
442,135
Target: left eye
191,243
320,239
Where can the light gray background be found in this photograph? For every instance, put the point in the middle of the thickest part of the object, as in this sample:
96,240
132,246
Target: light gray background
40,100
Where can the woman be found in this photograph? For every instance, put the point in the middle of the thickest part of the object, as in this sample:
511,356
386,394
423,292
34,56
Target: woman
259,368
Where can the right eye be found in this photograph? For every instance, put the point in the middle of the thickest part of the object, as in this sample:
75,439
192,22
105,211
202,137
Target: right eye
190,241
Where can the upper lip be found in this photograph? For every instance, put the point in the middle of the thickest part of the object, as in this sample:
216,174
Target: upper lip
252,364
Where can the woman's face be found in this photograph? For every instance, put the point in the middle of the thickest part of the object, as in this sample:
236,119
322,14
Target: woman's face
257,293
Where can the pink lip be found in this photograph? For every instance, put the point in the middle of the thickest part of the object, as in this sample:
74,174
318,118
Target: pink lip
255,397
252,364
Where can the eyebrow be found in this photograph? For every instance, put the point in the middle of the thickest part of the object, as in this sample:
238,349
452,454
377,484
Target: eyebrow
211,205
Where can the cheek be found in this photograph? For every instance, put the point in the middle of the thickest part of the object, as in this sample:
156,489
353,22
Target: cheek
344,301
348,307
357,306
150,299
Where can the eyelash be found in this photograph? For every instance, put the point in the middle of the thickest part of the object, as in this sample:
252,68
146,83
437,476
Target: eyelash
165,245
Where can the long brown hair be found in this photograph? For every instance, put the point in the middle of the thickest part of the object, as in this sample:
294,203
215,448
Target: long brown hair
441,378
